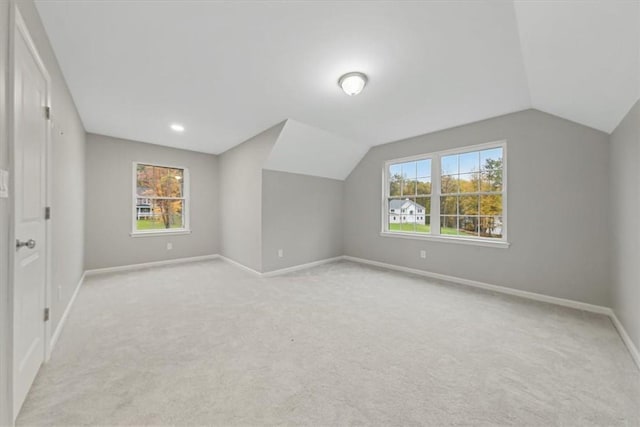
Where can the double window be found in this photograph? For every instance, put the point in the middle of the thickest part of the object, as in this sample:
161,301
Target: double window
160,199
456,193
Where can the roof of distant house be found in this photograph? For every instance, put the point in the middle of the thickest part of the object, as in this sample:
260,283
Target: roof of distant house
398,203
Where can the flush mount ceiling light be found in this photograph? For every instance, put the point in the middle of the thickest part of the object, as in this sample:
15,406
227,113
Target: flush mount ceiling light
177,127
353,83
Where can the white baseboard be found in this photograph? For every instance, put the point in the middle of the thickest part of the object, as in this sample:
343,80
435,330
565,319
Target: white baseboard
633,350
149,264
63,319
495,288
281,271
56,334
635,354
242,266
298,267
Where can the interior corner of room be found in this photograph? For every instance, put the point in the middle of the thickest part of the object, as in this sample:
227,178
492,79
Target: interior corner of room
293,189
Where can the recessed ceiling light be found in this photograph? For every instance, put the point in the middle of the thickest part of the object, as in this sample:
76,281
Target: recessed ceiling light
353,83
177,127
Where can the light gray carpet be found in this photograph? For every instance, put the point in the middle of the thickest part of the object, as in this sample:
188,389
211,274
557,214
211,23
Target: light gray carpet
340,344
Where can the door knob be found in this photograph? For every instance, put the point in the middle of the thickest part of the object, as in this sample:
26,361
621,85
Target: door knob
29,243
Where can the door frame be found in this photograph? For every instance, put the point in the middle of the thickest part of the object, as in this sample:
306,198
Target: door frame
18,26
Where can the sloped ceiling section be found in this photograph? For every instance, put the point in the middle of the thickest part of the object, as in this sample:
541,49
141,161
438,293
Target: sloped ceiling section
307,150
228,69
582,58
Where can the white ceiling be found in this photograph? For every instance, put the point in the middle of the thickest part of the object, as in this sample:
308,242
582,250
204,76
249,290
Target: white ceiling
228,70
582,58
307,150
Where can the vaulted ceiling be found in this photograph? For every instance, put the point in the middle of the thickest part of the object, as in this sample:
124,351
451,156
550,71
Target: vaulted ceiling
228,70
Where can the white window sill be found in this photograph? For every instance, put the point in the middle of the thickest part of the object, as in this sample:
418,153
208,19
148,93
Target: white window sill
449,239
155,233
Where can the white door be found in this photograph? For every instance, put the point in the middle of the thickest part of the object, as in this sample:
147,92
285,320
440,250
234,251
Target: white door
29,267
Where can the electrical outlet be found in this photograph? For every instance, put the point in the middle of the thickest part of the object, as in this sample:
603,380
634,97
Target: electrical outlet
423,254
280,253
169,246
59,293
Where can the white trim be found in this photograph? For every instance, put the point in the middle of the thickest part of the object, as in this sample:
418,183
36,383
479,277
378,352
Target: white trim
97,271
155,233
63,319
281,271
435,158
635,354
242,266
592,308
186,202
497,243
7,294
298,267
482,285
633,350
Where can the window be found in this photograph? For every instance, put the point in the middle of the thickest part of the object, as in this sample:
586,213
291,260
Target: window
461,192
409,189
160,199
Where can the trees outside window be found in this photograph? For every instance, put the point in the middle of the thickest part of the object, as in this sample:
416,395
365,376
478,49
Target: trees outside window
462,193
160,197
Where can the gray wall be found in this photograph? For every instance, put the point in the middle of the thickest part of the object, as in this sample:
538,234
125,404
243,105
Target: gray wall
241,198
109,204
301,215
557,209
67,198
624,222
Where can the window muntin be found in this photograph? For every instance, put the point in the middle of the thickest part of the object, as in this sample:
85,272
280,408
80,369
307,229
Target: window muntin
471,193
464,193
160,199
409,193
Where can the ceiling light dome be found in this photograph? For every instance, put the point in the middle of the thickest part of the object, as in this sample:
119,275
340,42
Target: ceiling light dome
177,127
353,83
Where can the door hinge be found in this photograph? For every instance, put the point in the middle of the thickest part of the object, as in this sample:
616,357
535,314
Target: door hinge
47,112
46,314
47,212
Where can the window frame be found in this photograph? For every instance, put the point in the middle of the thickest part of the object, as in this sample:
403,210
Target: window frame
186,202
434,213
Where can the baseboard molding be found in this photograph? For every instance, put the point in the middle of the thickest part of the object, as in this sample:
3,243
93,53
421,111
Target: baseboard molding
63,319
242,266
633,350
635,354
129,267
299,267
489,287
281,271
56,334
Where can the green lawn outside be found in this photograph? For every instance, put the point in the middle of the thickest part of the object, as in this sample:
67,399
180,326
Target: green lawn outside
150,224
420,228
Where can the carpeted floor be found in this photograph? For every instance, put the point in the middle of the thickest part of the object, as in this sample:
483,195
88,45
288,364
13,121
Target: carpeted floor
207,343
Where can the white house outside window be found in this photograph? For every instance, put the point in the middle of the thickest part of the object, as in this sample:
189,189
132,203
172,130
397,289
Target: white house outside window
160,199
455,194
